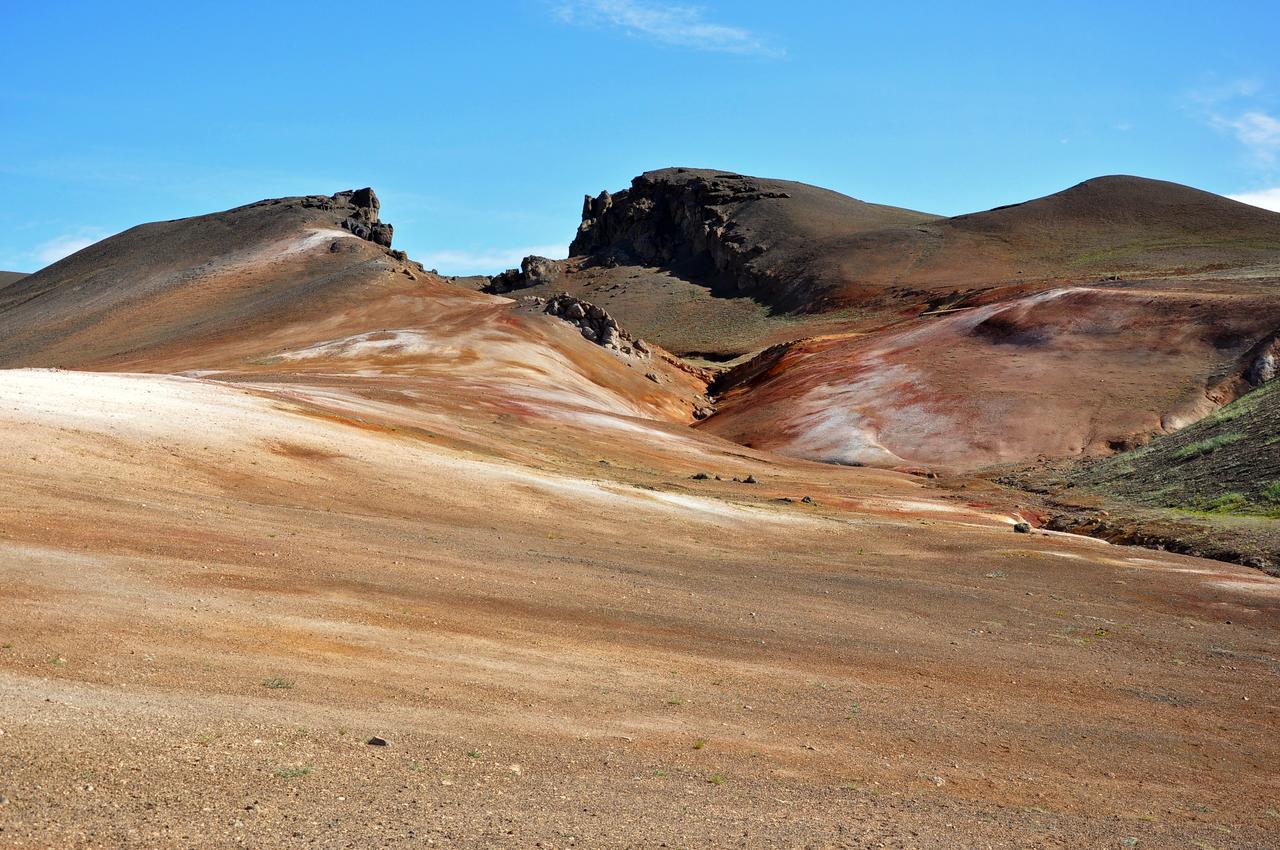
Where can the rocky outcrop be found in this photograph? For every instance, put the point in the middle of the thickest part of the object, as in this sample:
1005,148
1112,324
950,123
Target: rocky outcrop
679,217
361,207
533,271
593,322
1266,362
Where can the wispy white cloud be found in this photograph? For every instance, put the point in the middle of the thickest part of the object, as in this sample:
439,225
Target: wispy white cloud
47,253
1268,199
1256,130
488,260
1237,107
665,23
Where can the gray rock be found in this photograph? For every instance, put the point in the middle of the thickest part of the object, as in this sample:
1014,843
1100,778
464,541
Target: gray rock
1264,369
1022,528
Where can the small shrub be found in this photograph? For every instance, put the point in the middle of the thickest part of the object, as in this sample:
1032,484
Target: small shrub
295,771
1228,503
276,683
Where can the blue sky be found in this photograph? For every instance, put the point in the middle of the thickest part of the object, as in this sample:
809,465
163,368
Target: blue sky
481,125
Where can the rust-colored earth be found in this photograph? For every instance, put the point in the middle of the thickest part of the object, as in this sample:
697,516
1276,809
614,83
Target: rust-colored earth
272,506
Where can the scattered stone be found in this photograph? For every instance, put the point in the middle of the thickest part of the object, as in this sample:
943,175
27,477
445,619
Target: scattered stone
4,801
808,500
1022,528
653,376
702,412
700,476
750,479
592,321
375,741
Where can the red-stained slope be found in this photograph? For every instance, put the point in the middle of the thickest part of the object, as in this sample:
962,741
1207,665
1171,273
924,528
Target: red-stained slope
1069,371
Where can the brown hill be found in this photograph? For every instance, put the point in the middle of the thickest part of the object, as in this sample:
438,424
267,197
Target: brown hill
707,262
713,263
1066,372
298,285
7,278
311,498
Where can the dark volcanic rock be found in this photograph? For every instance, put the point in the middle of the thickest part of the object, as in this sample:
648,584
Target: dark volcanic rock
533,271
363,218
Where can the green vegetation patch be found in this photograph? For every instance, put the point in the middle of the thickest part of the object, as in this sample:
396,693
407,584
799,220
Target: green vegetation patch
1204,447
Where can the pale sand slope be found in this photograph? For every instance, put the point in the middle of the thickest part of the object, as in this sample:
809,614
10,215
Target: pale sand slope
579,653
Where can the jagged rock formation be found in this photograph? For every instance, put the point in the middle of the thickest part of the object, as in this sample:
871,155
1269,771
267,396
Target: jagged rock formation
739,234
362,219
533,271
1266,363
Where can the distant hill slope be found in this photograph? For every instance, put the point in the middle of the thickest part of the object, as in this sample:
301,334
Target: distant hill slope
739,234
1227,463
309,285
7,278
1066,372
188,279
722,264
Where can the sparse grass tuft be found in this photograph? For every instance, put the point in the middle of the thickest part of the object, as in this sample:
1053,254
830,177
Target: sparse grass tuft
295,771
715,779
1204,447
1228,503
700,743
276,683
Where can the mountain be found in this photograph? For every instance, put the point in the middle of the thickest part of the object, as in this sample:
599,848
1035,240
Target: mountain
7,278
301,544
709,262
718,264
309,284
1071,325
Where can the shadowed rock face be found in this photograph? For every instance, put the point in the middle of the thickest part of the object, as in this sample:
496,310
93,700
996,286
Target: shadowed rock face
742,235
363,220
